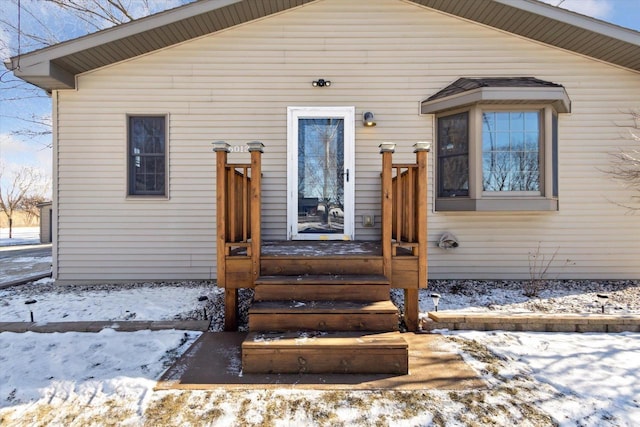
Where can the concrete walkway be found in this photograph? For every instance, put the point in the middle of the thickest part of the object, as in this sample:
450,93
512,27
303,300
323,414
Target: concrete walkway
23,264
214,361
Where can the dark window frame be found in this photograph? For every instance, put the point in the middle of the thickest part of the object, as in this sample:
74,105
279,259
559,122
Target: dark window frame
147,171
460,150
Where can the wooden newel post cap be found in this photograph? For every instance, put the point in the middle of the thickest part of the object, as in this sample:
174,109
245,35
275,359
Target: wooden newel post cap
387,147
220,146
256,146
422,146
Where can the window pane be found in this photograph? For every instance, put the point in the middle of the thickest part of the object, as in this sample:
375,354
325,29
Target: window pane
511,153
502,140
531,121
453,134
517,121
502,121
454,176
147,142
453,155
532,141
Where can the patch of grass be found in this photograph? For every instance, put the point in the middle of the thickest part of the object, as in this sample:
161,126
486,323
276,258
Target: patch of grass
536,416
163,411
182,408
493,362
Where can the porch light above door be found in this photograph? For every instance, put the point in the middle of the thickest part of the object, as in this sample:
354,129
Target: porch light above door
321,83
368,120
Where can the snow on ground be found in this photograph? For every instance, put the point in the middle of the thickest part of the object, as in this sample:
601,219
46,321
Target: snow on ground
534,379
558,296
20,236
589,379
105,302
100,378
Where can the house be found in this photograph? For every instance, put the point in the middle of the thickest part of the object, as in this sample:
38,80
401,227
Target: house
46,215
522,103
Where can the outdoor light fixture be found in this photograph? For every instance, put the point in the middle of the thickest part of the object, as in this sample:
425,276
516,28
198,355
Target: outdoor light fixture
436,300
368,120
29,302
603,300
321,83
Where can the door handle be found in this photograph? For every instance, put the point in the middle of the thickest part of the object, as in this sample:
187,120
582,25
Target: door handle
347,173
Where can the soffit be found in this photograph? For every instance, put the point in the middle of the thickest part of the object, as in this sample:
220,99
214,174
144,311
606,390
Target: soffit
55,67
551,25
139,37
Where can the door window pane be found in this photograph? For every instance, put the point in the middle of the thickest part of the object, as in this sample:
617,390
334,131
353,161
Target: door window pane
321,175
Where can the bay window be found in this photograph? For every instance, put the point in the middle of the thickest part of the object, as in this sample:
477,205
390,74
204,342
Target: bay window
496,144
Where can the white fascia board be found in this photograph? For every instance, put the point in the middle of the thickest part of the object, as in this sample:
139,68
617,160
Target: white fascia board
121,31
575,19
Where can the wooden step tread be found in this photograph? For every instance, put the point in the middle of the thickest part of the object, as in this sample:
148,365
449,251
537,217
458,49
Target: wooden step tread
313,292
322,307
325,340
324,279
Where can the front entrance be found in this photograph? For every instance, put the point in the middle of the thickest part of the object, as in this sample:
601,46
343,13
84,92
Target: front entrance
320,169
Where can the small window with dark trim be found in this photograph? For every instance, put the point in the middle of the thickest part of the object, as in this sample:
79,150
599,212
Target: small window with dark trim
147,155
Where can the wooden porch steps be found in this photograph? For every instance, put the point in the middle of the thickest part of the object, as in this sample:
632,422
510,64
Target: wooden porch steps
366,287
325,353
324,323
323,316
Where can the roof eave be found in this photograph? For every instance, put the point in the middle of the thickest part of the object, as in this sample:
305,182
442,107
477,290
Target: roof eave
572,18
29,67
557,96
45,75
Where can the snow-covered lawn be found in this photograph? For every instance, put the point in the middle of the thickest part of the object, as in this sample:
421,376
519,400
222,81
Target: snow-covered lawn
20,236
107,378
534,379
105,302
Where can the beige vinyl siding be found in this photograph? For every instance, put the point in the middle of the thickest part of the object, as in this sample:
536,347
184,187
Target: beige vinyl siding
383,56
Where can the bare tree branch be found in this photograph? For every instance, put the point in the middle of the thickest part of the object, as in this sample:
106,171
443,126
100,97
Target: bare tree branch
625,164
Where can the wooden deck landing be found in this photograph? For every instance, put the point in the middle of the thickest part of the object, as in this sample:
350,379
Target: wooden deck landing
315,248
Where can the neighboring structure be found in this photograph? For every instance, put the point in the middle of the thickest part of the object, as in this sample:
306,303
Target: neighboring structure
46,220
523,103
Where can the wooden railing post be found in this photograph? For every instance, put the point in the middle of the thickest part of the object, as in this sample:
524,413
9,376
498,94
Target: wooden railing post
256,148
221,149
422,151
387,149
411,295
230,294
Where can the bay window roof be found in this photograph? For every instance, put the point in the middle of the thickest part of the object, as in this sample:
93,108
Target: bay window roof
497,90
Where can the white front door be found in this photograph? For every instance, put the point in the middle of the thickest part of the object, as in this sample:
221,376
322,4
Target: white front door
321,176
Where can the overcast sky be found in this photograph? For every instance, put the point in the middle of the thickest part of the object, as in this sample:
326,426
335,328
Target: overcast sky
16,151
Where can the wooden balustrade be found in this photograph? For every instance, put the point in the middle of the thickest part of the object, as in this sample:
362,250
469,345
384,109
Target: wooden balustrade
404,225
238,193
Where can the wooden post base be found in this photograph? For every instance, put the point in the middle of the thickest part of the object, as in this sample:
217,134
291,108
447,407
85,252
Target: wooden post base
411,309
230,310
